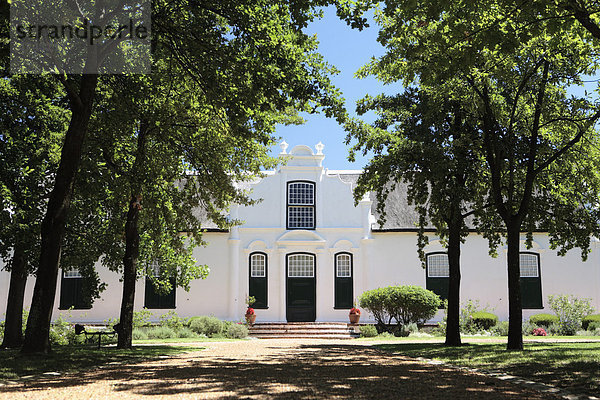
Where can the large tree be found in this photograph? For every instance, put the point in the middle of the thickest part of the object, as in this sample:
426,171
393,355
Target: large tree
529,127
248,60
425,142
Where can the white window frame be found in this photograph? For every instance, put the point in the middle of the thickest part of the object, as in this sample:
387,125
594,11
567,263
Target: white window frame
304,271
438,273
72,274
254,272
533,271
338,271
301,213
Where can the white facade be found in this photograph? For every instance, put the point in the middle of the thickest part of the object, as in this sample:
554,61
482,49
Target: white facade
379,257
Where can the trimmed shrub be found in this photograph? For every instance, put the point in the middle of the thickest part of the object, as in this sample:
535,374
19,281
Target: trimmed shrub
139,334
500,329
412,304
237,331
376,302
484,320
570,311
172,320
186,332
208,326
586,321
368,331
543,319
161,332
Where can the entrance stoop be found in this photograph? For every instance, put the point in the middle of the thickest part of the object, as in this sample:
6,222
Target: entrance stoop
307,330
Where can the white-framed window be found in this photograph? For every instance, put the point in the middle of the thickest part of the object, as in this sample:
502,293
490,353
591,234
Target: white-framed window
301,266
528,265
343,266
258,263
155,268
437,265
74,273
301,205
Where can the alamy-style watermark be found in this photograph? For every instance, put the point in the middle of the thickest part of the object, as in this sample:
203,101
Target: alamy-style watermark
80,36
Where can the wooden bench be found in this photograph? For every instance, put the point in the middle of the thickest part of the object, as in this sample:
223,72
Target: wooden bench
79,329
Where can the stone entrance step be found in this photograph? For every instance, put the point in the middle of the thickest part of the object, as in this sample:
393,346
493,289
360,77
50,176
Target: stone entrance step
308,330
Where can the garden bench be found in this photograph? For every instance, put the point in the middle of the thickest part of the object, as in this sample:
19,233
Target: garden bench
79,329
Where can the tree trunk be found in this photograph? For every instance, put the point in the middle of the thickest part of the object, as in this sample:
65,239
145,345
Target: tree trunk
37,334
13,327
515,312
130,260
453,319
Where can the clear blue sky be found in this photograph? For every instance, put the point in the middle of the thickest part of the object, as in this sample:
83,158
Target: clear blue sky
347,49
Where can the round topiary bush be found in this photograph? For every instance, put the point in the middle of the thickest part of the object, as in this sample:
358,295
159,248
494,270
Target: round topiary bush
237,331
208,326
586,321
368,331
543,319
484,320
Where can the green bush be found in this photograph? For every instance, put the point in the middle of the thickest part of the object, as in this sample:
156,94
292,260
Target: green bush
237,331
570,311
376,302
142,318
543,320
209,326
186,332
527,328
406,330
139,334
161,332
172,320
412,304
466,320
586,321
368,331
484,320
500,329
593,326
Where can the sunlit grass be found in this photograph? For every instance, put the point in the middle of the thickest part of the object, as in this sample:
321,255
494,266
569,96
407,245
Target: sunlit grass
572,365
62,359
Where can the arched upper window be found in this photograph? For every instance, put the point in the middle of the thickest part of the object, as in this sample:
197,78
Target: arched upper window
344,292
258,284
301,205
437,273
531,282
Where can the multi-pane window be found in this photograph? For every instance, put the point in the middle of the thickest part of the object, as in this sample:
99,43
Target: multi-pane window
530,280
301,205
343,266
437,277
437,265
154,297
528,264
73,291
258,265
343,286
257,283
301,266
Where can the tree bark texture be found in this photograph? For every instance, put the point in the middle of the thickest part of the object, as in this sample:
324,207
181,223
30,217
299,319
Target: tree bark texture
37,334
453,319
13,327
515,312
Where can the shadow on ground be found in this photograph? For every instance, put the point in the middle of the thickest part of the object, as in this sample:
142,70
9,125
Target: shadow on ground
310,371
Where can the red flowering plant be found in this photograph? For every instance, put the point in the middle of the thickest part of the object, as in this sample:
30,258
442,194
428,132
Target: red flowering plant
249,301
354,310
539,332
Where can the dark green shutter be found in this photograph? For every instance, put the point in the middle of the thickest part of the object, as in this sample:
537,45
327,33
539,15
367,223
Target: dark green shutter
343,286
438,286
72,294
258,289
531,293
156,300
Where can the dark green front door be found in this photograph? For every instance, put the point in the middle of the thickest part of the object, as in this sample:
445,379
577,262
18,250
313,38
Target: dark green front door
301,287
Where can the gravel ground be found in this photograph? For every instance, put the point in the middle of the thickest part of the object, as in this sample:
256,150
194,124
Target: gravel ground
274,369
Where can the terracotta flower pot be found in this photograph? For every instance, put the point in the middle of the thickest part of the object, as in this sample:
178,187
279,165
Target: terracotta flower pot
250,318
354,318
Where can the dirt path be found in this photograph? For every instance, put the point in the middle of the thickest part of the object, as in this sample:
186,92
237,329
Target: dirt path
274,369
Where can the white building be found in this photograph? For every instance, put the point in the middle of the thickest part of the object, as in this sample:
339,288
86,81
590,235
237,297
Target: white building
306,252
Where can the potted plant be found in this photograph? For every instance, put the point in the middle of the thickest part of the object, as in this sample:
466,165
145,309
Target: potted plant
250,314
354,315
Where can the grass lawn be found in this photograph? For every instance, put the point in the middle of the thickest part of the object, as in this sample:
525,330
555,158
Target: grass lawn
13,364
187,340
574,366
